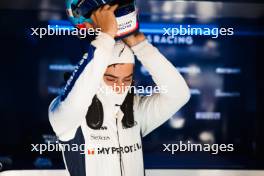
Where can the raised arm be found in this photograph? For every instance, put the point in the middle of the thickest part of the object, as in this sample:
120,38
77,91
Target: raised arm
68,110
152,111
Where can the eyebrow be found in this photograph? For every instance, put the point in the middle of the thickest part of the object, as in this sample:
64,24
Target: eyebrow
113,76
110,75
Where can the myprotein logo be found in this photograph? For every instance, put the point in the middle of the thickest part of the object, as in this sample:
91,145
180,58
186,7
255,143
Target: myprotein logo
82,149
114,150
91,151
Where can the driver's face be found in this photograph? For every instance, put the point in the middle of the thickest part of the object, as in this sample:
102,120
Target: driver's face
119,76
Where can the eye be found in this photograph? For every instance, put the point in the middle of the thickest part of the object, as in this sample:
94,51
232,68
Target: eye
111,80
127,80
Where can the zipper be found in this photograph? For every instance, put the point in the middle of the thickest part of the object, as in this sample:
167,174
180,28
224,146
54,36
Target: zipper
120,156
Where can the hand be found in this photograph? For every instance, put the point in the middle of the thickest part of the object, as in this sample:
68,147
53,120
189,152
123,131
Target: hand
134,39
104,18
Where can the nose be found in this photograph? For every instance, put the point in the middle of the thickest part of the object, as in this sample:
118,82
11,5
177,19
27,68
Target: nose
120,83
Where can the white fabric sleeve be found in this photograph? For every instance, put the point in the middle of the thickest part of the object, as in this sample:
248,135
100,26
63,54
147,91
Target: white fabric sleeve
68,110
152,111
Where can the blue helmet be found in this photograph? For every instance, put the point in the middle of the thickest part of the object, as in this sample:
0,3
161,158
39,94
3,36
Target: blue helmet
79,11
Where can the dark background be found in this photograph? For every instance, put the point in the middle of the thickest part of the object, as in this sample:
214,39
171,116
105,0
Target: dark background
28,84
